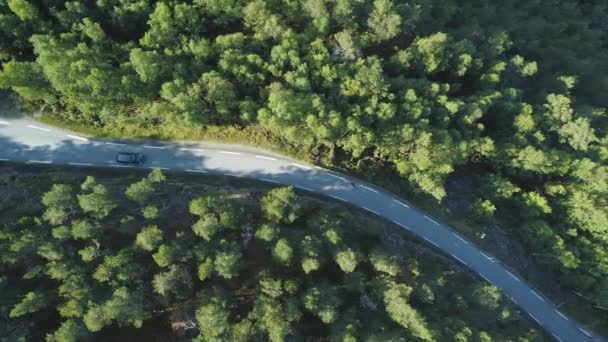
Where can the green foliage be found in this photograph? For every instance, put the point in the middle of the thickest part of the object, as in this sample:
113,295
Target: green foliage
269,285
72,330
311,254
322,301
150,212
347,259
61,232
176,282
215,213
149,238
212,319
398,308
165,255
89,253
24,9
118,268
384,21
150,66
267,232
85,229
97,201
59,202
276,318
536,203
88,276
141,191
282,252
482,210
281,205
220,93
205,269
384,262
206,227
124,306
30,303
92,30
227,261
94,319
488,296
26,79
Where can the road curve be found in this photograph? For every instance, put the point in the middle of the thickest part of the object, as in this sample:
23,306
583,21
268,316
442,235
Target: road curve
27,141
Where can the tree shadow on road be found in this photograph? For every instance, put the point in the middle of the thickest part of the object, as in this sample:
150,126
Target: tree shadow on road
68,151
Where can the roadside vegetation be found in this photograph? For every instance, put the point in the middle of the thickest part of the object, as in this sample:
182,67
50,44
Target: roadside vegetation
178,258
497,105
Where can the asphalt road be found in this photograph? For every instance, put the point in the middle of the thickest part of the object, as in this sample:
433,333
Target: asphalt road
23,140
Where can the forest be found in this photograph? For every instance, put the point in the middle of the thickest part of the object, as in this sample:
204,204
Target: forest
505,96
104,257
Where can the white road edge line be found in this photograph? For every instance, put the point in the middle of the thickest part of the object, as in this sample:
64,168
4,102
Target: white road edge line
39,161
336,176
115,144
270,180
81,164
4,159
265,158
338,198
430,219
191,149
585,332
372,211
200,171
155,147
39,128
462,261
537,295
301,166
561,314
158,167
4,123
557,338
230,152
401,225
368,188
486,279
305,188
460,238
513,300
534,318
431,242
487,256
401,203
512,275
118,165
77,137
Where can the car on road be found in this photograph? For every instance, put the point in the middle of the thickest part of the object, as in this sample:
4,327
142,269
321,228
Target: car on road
129,158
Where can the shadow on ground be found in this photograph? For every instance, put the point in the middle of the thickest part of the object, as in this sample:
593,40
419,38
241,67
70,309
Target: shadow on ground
8,107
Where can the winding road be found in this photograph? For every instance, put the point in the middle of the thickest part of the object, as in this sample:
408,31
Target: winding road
26,141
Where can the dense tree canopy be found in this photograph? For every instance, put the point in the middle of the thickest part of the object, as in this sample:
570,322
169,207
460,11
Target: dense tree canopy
85,276
509,95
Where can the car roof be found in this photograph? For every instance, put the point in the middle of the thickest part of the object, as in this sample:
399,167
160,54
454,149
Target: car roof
126,156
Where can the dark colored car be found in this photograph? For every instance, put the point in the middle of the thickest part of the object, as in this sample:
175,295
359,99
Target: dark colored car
129,158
